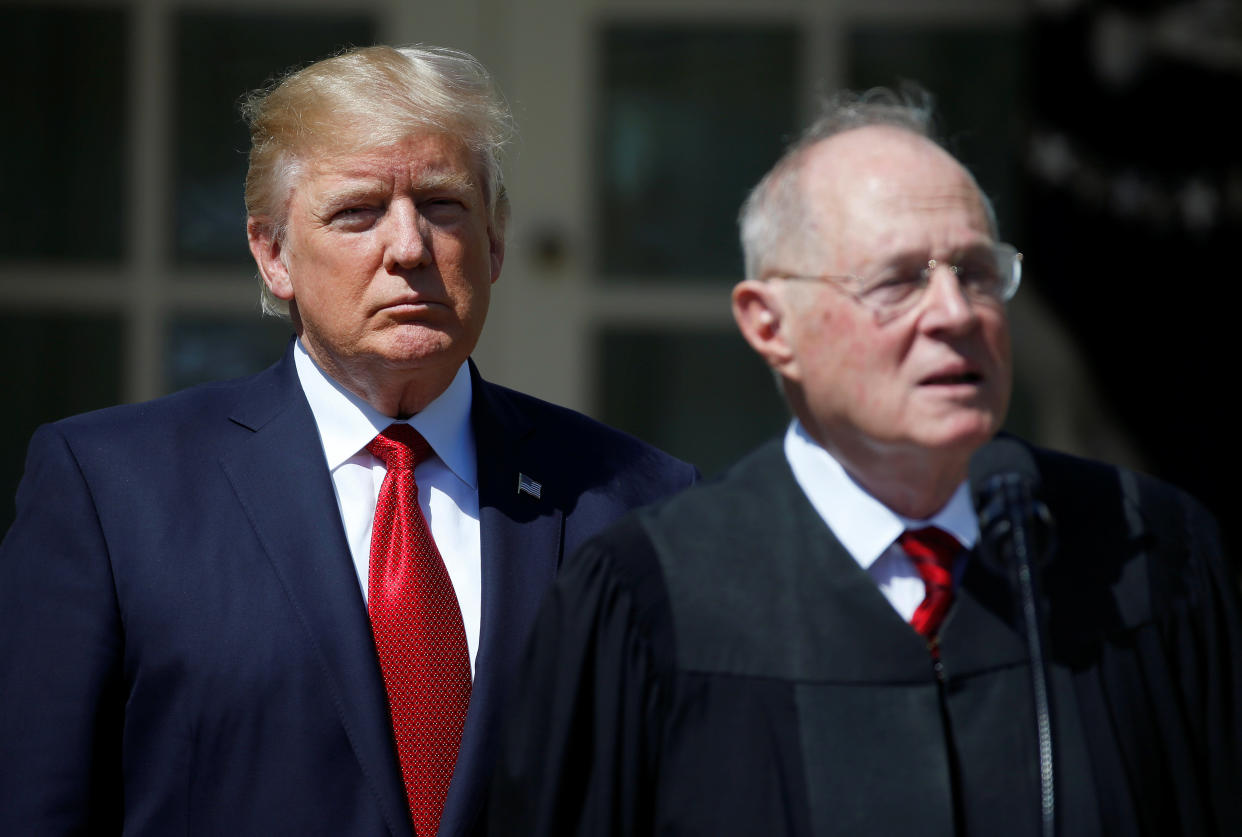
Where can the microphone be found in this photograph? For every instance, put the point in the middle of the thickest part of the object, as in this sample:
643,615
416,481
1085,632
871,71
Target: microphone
1016,533
1013,517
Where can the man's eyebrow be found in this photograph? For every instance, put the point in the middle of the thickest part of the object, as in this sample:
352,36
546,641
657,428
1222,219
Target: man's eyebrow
453,181
349,192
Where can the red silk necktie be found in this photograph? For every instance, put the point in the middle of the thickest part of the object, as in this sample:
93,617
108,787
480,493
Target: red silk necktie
932,550
418,631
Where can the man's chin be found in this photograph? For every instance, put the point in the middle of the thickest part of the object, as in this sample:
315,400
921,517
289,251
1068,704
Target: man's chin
965,430
417,347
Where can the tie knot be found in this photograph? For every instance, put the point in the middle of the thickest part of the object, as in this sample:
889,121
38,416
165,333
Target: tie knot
400,446
930,548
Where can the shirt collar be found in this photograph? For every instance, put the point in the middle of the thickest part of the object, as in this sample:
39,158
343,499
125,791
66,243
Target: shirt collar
864,525
347,423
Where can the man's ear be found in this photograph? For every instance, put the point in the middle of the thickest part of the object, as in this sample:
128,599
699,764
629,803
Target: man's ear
762,314
268,254
496,249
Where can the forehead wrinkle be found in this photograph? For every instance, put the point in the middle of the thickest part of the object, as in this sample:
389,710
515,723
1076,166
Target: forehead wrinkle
348,158
933,201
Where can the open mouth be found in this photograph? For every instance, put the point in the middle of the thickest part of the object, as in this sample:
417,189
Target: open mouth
953,379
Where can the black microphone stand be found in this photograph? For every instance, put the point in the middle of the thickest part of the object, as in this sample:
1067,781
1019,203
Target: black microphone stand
1010,514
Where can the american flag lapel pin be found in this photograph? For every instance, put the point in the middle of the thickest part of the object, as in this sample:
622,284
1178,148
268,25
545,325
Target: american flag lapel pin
526,485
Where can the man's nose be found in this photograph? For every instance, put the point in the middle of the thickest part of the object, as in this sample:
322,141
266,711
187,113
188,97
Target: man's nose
945,302
407,243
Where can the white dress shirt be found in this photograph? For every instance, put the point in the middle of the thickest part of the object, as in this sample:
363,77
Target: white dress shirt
448,489
867,528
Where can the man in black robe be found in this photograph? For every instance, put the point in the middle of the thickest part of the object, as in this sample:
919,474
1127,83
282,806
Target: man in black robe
815,644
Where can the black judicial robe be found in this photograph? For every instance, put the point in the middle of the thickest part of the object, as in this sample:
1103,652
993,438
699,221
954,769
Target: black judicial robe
718,664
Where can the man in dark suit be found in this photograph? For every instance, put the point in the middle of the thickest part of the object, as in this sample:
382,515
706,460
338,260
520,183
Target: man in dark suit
826,640
292,603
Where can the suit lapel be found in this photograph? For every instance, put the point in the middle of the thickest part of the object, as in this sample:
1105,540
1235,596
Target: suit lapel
521,540
280,478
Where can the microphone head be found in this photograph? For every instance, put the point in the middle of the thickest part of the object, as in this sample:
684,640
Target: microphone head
1006,459
1007,492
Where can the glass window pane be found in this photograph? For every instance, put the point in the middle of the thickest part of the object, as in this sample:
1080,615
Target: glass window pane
705,397
60,365
64,134
220,58
691,117
202,349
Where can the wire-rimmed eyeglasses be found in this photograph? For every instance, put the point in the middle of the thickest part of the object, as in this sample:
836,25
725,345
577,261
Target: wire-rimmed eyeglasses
988,274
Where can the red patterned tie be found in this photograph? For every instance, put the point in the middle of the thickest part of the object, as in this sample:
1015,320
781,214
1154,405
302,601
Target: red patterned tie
932,550
418,631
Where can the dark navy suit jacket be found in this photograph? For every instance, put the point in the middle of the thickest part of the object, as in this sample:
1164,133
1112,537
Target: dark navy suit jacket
184,648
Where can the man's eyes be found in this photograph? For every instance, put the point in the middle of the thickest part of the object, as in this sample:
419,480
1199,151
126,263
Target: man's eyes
899,278
910,276
355,217
893,286
982,275
441,210
981,272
